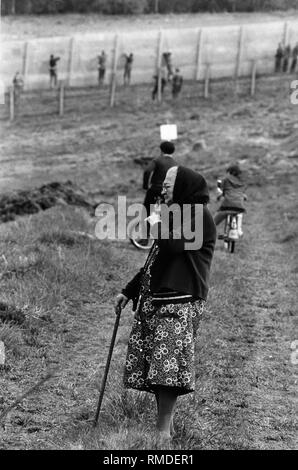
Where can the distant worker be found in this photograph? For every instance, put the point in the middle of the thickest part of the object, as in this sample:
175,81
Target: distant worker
163,83
294,58
278,57
127,68
18,86
177,83
167,61
155,172
18,81
53,70
102,59
287,55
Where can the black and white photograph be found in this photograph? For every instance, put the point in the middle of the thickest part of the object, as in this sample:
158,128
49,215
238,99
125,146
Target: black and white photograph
148,228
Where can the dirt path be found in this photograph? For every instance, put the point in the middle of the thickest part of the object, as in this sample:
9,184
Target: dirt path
273,402
253,382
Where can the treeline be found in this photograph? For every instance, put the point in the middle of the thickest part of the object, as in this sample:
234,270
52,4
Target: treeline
128,7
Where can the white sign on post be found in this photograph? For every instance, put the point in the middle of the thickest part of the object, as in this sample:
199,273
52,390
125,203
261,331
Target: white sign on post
168,132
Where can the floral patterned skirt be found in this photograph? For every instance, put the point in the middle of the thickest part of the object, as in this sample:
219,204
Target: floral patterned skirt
161,347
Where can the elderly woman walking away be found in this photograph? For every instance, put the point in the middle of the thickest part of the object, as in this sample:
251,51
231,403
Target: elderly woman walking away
169,295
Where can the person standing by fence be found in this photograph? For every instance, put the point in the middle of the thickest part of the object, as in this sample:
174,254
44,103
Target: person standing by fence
53,70
102,59
176,83
18,86
294,58
163,82
287,55
278,57
167,62
127,68
18,83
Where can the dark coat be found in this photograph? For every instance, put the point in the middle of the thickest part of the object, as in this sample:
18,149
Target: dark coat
233,193
177,269
156,170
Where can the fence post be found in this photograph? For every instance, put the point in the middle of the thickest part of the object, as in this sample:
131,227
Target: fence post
253,78
207,80
199,49
114,72
239,52
61,98
159,66
25,64
239,56
70,62
11,104
286,33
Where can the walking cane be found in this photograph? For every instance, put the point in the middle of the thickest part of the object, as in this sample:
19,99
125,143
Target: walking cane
118,313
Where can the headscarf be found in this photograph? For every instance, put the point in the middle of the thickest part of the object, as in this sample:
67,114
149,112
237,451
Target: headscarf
190,187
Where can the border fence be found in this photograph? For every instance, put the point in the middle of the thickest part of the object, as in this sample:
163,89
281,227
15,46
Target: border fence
202,54
83,101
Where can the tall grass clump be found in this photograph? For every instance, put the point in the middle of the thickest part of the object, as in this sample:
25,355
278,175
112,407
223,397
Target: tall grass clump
12,338
49,261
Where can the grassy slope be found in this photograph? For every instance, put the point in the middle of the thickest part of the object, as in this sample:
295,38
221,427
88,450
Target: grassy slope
245,379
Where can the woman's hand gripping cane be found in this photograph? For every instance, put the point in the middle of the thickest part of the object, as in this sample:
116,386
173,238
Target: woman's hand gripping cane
120,303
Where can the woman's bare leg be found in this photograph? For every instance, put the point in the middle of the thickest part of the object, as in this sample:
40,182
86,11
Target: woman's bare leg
166,400
172,420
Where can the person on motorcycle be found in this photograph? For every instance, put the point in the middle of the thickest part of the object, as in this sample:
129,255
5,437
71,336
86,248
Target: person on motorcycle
155,173
232,191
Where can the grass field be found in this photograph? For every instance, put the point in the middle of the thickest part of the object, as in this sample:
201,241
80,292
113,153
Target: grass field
27,27
65,285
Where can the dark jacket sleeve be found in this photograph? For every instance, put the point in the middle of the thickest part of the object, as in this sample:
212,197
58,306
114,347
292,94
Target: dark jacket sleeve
131,291
147,172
